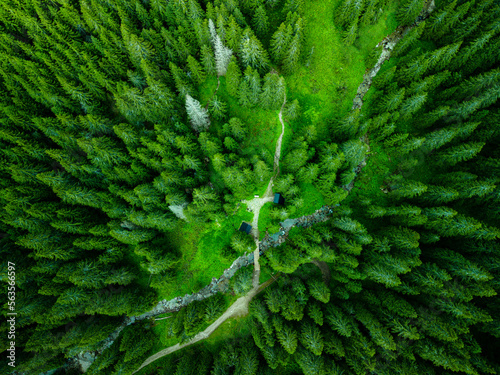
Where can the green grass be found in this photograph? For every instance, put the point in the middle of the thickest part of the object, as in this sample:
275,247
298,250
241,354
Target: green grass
201,248
327,84
369,36
230,329
208,261
161,327
332,73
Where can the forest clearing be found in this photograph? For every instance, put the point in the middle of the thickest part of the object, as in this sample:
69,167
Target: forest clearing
250,187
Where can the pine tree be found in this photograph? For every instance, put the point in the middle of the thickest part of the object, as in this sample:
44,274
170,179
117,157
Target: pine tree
286,335
233,75
197,114
319,290
222,56
280,41
196,70
392,100
252,53
348,12
439,138
315,313
291,110
351,33
309,363
273,91
457,154
253,79
292,55
218,108
208,60
260,21
244,94
311,337
249,362
412,104
181,81
408,189
233,34
408,11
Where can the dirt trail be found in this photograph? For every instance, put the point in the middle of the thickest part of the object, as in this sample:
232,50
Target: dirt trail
256,204
240,306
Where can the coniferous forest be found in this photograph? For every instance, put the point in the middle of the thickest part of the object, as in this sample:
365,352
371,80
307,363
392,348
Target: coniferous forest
136,136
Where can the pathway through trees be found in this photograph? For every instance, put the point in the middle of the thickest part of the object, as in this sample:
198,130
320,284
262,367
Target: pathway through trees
240,306
256,204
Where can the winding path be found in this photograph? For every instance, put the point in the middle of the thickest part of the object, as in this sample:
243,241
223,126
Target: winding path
256,204
240,306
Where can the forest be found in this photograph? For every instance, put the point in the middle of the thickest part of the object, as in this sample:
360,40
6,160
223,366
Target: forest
355,138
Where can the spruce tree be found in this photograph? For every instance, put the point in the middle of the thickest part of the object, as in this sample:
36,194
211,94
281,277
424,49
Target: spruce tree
280,41
351,33
260,21
197,115
409,10
233,75
252,52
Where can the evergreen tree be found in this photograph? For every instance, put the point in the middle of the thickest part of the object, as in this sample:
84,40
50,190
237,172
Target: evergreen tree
273,91
311,338
409,10
196,70
280,41
208,60
351,33
254,87
222,56
233,76
218,108
197,114
456,154
292,55
260,21
252,52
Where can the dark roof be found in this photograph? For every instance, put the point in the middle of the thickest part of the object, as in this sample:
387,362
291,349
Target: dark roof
278,198
245,228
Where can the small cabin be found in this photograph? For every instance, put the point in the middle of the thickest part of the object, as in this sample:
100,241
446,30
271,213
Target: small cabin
279,199
245,228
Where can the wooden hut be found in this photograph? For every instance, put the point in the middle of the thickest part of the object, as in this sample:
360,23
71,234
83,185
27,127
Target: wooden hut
279,199
245,227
